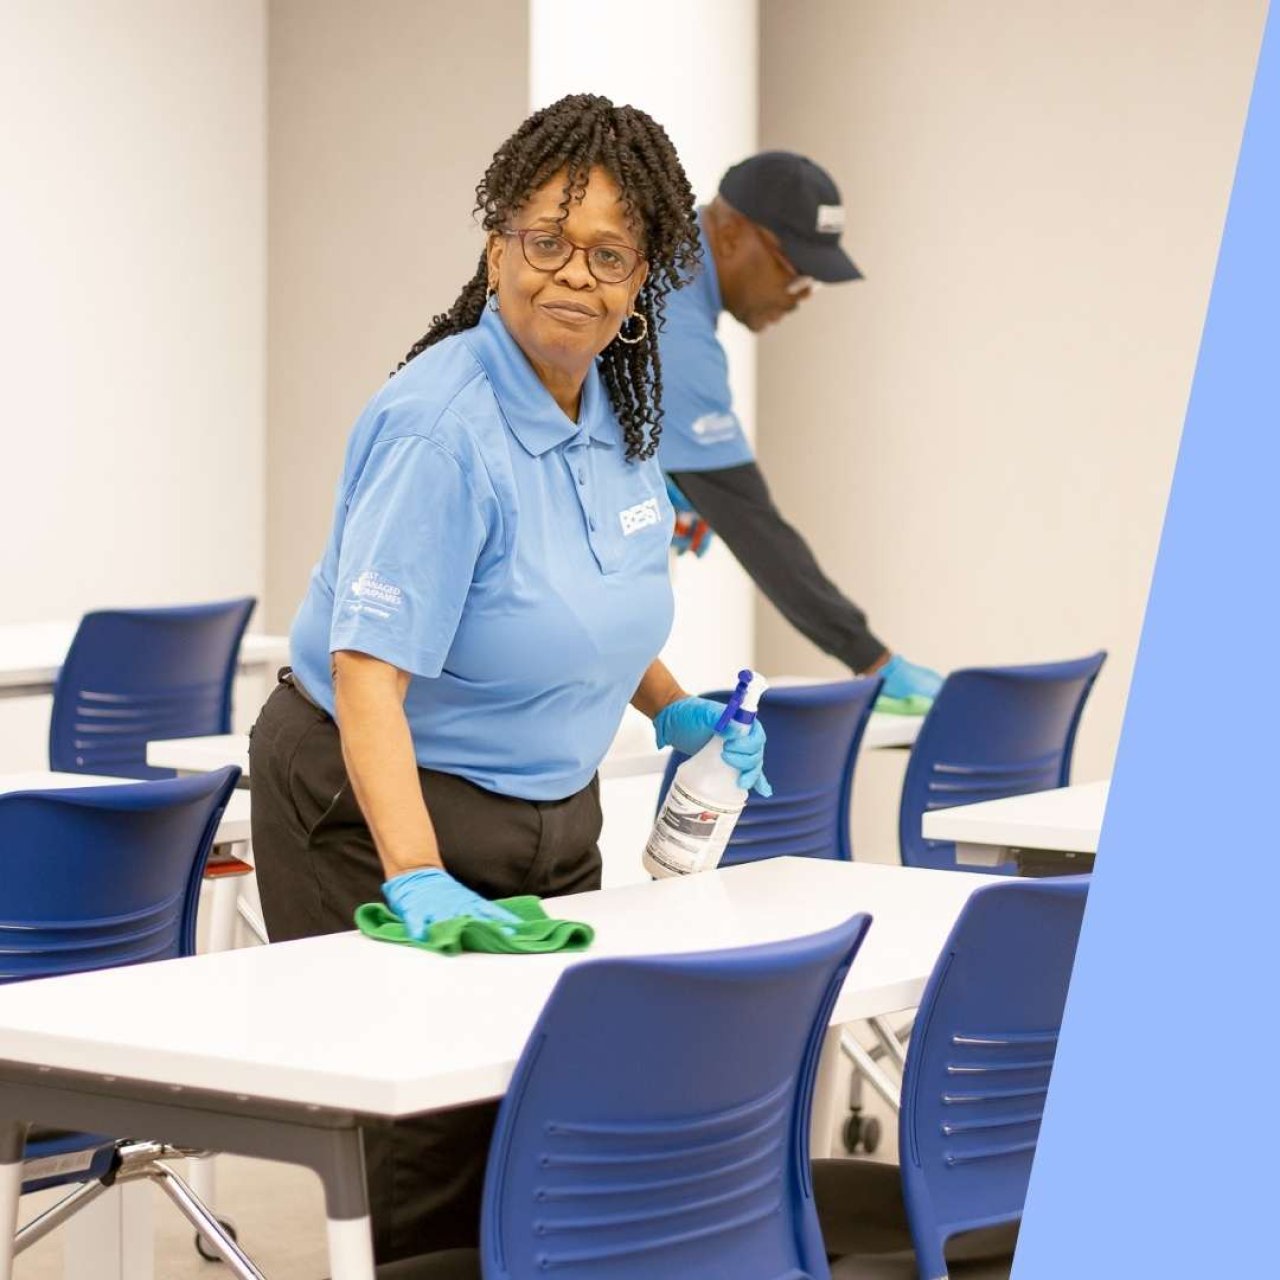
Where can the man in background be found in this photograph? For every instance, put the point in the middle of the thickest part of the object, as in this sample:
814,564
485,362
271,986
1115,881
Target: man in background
770,237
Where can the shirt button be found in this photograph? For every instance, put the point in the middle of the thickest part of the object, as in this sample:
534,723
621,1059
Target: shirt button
591,523
582,476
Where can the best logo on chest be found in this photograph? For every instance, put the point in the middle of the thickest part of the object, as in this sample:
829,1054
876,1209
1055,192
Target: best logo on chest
641,516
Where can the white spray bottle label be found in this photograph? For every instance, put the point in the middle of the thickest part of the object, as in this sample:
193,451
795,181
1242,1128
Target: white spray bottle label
704,801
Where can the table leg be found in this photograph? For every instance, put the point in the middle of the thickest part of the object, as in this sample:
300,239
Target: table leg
223,893
13,1139
202,1178
982,855
350,1249
346,1202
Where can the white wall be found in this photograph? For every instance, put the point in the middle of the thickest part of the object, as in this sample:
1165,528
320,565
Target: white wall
382,119
693,67
132,310
979,437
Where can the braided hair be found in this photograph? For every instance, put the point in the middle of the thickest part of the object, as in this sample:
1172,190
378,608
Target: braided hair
575,135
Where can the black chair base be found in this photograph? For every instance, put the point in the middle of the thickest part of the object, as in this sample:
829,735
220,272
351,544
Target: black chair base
903,1267
451,1264
864,1227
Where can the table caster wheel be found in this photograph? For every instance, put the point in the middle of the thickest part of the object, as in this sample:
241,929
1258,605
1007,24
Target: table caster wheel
870,1134
206,1250
852,1133
861,1133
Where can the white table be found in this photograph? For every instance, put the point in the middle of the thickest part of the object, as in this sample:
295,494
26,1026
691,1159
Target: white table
886,731
281,1052
629,756
32,653
1065,821
200,755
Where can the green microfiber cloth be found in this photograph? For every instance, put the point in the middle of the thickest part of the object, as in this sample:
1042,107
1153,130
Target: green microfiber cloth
535,933
915,704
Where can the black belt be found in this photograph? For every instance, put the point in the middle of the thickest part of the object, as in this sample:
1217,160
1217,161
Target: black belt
289,676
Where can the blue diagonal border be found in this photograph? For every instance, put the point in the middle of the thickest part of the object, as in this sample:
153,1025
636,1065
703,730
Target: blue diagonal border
1158,1152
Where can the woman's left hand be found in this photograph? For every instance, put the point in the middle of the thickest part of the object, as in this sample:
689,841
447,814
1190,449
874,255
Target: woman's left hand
688,724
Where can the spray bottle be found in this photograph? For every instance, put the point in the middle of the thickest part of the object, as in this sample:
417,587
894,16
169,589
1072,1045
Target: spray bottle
703,803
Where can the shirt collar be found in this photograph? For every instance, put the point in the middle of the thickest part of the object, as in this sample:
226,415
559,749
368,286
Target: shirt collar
707,281
527,406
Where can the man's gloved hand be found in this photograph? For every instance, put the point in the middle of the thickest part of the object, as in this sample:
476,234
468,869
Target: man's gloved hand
692,532
426,895
688,724
903,679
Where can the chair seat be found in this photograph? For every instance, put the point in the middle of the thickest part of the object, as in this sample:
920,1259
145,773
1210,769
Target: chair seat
56,1157
864,1226
39,1133
451,1264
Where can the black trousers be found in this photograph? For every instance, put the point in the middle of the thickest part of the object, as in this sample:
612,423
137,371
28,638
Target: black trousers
316,863
736,503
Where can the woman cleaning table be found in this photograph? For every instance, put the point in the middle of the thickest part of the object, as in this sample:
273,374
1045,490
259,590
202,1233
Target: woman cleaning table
493,593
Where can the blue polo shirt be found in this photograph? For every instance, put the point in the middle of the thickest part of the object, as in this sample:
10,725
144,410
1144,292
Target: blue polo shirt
700,431
511,560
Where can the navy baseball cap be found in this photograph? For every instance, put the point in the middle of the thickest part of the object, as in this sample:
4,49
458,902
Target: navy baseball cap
798,201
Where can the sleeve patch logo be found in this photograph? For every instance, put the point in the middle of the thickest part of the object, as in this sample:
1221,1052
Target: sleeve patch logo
712,428
641,516
373,594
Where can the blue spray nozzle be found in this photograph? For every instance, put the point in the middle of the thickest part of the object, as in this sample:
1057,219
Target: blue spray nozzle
735,701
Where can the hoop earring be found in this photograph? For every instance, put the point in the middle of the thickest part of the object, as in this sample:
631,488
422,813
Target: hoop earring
641,336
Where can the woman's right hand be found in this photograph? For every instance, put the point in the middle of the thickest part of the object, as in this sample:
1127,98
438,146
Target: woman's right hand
427,895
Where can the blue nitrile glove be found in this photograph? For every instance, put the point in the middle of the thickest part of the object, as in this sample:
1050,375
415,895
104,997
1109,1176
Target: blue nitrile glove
690,723
429,894
691,532
903,679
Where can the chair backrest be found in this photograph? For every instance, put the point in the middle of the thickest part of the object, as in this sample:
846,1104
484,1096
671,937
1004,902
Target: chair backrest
980,1058
135,675
657,1123
991,732
92,877
815,731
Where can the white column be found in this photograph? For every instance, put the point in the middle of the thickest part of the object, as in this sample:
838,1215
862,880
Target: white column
701,85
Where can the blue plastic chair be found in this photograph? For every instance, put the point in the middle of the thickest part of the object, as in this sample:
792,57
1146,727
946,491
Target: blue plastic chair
624,1150
133,676
92,878
992,732
814,735
977,1075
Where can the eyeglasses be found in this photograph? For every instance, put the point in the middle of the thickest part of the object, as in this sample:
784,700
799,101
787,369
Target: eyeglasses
549,251
797,284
